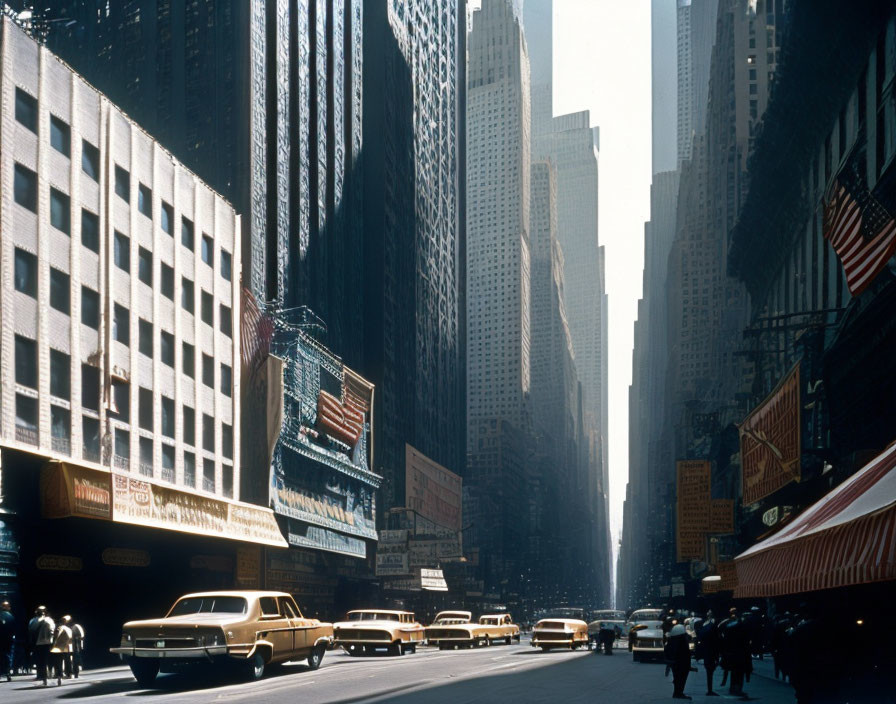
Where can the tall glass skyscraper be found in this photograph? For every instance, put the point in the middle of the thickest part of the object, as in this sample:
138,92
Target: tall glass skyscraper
414,231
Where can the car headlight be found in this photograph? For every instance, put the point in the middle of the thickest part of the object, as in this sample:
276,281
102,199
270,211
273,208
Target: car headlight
126,639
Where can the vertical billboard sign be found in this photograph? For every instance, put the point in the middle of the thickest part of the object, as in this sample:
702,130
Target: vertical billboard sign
770,441
694,508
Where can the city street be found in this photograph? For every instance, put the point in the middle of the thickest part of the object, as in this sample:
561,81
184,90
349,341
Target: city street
497,674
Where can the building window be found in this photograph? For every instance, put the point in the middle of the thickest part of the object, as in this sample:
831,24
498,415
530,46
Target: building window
226,322
144,331
167,274
189,469
208,475
60,136
146,456
26,272
60,429
122,184
227,440
208,433
60,291
166,348
25,187
167,417
208,250
90,308
226,265
187,295
121,327
60,211
167,218
145,408
144,266
189,360
168,463
208,371
90,160
26,362
26,419
189,426
226,380
60,375
208,309
144,200
91,431
122,253
26,110
186,233
227,480
90,387
122,448
90,231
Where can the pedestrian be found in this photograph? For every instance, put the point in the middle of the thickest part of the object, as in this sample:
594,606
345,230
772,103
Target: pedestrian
7,640
77,649
734,647
62,649
678,658
33,626
42,634
607,635
779,630
707,649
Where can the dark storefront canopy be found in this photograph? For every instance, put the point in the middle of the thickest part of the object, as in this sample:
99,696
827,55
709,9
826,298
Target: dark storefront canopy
846,538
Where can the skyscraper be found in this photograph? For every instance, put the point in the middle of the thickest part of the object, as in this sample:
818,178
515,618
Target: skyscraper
498,272
538,18
262,99
414,231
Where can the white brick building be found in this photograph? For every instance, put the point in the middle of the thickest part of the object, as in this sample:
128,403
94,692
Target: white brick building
119,288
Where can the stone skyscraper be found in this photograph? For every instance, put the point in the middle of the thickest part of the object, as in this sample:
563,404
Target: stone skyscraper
498,271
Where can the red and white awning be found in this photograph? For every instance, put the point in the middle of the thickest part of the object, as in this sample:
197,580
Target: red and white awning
848,537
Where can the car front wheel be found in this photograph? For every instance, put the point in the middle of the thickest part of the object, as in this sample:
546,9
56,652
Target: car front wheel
145,671
316,656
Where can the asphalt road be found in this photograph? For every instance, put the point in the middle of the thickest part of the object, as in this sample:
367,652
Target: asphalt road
516,673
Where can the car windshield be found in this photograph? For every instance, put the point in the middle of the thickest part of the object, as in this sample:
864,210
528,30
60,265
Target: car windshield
653,615
609,616
372,616
209,605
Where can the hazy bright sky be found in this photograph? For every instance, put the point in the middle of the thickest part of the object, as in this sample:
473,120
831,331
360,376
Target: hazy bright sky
602,64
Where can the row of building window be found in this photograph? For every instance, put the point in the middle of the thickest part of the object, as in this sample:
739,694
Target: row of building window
60,424
60,139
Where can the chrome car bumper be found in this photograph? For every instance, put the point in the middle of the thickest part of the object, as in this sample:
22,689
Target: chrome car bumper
172,653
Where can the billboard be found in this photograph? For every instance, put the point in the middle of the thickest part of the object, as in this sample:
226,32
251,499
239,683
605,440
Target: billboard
721,516
431,490
770,441
693,508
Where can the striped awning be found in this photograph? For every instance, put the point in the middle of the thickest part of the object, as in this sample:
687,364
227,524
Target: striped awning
848,537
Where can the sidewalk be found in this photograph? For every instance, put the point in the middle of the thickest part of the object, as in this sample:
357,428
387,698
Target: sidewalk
762,685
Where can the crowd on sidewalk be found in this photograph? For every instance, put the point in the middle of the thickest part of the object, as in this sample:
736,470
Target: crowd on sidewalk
50,649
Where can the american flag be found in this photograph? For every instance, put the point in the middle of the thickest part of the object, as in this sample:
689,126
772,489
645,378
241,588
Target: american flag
858,222
256,331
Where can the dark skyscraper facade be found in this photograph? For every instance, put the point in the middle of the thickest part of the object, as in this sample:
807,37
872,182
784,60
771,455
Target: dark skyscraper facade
414,225
263,100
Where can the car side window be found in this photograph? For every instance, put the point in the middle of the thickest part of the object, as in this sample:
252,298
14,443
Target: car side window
286,609
269,606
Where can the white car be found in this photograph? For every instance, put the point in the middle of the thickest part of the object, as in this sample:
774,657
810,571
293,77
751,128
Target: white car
646,634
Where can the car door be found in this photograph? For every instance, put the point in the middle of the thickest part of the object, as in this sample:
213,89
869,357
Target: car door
276,628
301,627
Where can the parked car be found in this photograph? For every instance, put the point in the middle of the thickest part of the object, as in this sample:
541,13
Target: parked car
491,628
560,633
646,634
367,630
245,629
446,618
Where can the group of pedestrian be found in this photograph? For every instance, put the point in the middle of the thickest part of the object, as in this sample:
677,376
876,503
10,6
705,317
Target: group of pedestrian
56,648
53,650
